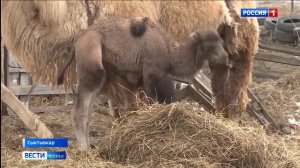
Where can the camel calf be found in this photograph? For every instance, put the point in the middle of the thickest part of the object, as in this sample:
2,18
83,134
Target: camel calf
136,52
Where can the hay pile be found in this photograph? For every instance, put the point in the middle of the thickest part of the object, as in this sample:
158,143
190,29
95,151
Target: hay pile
280,96
178,135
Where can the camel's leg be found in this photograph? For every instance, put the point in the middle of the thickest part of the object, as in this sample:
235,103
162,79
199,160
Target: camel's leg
91,78
112,111
113,108
240,77
149,86
88,88
219,83
110,91
159,87
118,100
120,91
81,118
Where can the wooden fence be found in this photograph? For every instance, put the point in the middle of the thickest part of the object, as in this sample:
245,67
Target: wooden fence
19,82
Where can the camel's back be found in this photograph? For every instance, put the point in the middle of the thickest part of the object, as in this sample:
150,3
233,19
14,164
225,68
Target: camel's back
124,49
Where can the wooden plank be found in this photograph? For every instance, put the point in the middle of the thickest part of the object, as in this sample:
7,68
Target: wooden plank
181,94
4,110
38,90
24,81
271,70
197,95
251,111
268,74
15,70
3,106
201,98
6,59
2,61
287,49
202,82
263,111
14,79
204,95
283,59
30,120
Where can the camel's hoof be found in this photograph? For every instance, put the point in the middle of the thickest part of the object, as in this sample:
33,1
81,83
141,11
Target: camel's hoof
83,148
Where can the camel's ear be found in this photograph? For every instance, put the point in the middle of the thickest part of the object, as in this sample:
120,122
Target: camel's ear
230,38
206,36
197,37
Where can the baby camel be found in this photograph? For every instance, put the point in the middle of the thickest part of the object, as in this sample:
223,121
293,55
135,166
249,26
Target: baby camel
140,53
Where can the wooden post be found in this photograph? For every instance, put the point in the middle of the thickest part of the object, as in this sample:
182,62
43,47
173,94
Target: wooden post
4,74
30,119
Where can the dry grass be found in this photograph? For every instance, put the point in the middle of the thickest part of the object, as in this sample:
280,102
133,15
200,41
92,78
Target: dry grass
182,134
51,100
280,96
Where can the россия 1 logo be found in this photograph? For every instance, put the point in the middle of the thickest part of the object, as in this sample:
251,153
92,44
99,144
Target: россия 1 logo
259,12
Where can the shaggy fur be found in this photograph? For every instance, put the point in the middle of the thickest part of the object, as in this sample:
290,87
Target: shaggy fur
241,47
40,33
39,47
180,18
233,101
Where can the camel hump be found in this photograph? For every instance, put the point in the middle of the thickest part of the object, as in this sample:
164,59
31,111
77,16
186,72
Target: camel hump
138,26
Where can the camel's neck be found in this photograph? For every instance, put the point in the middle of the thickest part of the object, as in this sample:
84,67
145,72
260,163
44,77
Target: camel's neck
183,60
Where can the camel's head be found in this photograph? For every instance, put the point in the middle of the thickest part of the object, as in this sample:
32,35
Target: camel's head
210,47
